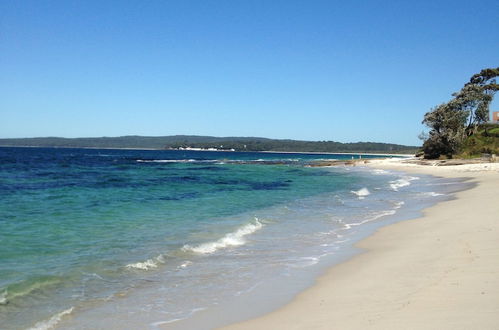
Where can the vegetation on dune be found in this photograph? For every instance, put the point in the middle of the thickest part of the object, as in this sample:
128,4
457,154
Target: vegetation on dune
486,140
458,126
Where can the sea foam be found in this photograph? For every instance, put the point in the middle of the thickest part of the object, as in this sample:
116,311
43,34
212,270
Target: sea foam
235,238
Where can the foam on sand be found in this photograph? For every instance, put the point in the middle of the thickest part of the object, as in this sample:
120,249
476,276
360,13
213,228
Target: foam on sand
235,238
52,322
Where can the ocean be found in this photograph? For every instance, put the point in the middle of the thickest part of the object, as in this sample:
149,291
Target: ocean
145,239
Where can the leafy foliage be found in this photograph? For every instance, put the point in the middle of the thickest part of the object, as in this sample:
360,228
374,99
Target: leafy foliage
486,140
452,122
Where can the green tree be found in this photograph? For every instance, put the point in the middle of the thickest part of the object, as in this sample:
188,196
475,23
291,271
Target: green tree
450,123
447,130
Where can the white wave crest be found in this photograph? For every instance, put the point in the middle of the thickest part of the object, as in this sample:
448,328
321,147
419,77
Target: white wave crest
361,193
402,182
148,264
231,239
52,322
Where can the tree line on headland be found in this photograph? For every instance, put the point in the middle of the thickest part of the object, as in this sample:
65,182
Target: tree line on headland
210,142
460,126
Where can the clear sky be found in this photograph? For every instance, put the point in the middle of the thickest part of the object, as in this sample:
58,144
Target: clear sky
315,70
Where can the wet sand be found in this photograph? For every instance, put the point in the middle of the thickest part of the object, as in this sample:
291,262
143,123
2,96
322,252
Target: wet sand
439,271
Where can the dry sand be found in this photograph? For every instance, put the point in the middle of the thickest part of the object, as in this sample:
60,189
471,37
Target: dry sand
440,271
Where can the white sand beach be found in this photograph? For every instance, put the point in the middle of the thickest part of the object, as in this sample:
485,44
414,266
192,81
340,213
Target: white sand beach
439,271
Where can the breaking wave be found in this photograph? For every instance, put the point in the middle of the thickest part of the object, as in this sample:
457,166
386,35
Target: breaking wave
231,239
361,193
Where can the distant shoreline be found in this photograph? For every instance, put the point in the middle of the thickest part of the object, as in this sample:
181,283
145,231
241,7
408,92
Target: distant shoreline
266,151
57,147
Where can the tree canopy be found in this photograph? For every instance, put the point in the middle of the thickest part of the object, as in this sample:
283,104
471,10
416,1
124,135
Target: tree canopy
450,123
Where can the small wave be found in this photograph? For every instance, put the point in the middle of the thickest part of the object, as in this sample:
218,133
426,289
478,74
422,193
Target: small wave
304,262
381,215
159,323
231,239
342,241
338,200
52,322
402,182
177,160
361,193
369,219
399,204
251,288
185,264
3,298
27,287
432,194
380,172
148,264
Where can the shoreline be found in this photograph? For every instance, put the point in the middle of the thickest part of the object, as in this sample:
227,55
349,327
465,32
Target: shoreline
438,271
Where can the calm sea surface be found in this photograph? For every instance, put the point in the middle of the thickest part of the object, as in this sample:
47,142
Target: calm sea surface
135,239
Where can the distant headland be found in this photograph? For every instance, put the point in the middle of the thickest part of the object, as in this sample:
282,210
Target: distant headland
211,143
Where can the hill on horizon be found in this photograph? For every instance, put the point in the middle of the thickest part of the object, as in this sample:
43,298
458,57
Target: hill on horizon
196,141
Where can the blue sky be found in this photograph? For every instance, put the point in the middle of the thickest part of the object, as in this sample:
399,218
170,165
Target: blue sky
315,70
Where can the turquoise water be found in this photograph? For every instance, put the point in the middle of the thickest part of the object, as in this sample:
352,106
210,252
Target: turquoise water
85,230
